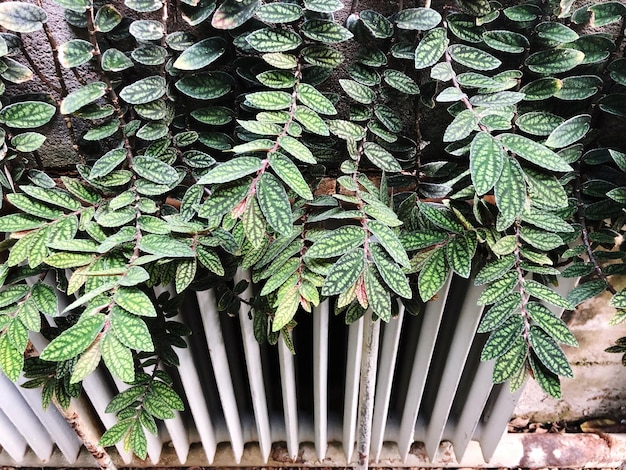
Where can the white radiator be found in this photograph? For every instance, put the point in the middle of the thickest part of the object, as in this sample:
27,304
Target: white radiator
252,404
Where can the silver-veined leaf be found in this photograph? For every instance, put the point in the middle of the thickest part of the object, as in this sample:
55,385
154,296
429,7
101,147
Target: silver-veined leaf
22,17
201,54
27,114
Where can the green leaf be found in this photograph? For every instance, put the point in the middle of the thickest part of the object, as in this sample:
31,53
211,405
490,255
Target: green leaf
473,58
506,41
290,174
569,131
551,324
233,13
309,96
11,360
86,363
115,434
494,270
12,294
33,207
311,121
433,275
499,312
144,6
356,91
83,96
146,30
441,217
154,170
510,191
498,289
619,300
412,241
502,339
135,301
461,126
546,220
164,245
389,241
19,222
28,141
390,272
542,292
325,31
353,132
273,40
377,296
27,114
269,100
401,82
548,381
579,87
417,19
138,441
261,128
201,54
584,291
118,359
107,18
286,310
29,315
555,32
75,52
277,78
279,278
323,6
344,272
232,170
377,24
549,352
115,61
322,55
541,240
534,152
274,203
554,61
279,12
337,242
131,330
210,260
74,340
486,162
22,17
510,362
45,299
13,71
460,252
538,122
144,90
103,131
107,163
381,157
497,100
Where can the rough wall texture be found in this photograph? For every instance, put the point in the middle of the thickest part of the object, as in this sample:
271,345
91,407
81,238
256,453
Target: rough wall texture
599,385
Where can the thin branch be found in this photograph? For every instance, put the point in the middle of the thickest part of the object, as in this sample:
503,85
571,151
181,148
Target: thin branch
585,236
38,72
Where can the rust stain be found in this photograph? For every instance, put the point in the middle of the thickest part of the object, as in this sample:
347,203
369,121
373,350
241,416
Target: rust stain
551,451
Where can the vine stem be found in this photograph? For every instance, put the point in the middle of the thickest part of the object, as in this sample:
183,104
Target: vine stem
110,90
367,388
585,235
80,420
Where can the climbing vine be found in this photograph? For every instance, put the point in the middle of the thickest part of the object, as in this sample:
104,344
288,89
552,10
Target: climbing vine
271,136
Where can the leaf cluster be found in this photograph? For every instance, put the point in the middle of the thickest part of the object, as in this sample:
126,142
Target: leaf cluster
266,136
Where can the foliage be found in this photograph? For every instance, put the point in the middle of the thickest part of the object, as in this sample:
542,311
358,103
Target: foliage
217,126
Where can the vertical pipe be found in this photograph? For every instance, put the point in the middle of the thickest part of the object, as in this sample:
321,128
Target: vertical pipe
320,377
255,370
389,354
290,400
369,362
351,393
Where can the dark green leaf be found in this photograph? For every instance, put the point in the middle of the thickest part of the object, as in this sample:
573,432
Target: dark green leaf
344,272
27,114
325,31
74,340
433,275
551,324
417,19
549,352
233,13
502,339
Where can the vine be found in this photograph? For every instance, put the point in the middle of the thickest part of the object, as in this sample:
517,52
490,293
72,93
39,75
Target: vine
248,134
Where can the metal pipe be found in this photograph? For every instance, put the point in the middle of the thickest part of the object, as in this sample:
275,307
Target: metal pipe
367,388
